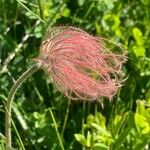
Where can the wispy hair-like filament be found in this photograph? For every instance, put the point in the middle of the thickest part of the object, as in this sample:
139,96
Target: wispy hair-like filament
82,66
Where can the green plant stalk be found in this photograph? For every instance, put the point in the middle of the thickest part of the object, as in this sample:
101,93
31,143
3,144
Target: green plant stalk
17,133
66,118
55,125
23,5
83,121
10,101
40,8
4,99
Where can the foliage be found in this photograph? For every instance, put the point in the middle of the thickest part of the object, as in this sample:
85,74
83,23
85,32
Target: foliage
127,131
122,124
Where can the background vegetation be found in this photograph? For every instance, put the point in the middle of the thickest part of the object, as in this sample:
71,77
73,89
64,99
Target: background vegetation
122,124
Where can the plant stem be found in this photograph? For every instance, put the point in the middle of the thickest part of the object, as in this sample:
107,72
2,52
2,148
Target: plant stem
40,8
66,118
83,121
56,129
11,95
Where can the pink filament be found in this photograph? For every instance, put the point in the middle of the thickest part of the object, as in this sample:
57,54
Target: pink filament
80,65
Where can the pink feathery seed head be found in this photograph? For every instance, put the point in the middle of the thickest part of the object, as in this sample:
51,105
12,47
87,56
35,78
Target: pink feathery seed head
81,66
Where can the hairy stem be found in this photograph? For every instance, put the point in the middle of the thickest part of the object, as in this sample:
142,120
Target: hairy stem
10,101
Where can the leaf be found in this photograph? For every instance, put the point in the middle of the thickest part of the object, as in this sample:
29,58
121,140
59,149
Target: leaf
112,21
117,119
3,97
30,12
90,119
109,3
97,27
138,36
140,107
81,2
118,32
80,138
66,12
142,125
88,143
100,146
20,118
2,136
139,51
100,120
141,144
121,138
100,129
38,31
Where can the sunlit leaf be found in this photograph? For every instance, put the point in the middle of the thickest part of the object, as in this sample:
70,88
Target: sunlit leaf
80,138
142,125
140,107
100,146
138,36
139,51
121,138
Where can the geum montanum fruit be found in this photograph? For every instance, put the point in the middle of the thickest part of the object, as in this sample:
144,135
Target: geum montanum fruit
82,66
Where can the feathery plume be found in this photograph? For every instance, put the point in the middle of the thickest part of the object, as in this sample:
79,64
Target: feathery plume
82,66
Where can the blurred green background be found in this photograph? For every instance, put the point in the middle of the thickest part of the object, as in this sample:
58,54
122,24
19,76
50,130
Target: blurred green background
123,123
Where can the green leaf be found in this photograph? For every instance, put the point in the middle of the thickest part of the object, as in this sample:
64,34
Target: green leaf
121,138
30,12
81,2
89,136
90,119
141,144
100,146
112,21
20,118
66,12
100,129
140,107
139,51
3,97
100,120
138,36
117,119
109,3
81,138
97,27
38,31
142,125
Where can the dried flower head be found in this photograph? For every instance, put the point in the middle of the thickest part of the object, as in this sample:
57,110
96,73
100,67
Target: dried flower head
81,66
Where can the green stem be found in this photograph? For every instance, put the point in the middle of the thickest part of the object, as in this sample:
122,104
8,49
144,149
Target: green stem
10,101
66,118
40,8
23,5
55,125
83,121
83,115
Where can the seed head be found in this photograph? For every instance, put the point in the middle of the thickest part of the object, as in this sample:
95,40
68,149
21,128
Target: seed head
82,66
